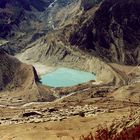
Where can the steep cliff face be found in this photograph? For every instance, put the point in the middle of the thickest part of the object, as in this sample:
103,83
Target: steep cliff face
19,82
112,32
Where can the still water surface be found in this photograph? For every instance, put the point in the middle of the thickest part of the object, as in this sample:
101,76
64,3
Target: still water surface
65,77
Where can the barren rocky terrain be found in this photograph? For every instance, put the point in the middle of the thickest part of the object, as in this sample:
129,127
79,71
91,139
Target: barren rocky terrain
63,119
75,111
96,36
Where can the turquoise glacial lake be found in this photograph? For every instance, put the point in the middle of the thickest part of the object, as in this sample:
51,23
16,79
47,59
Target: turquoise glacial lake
65,77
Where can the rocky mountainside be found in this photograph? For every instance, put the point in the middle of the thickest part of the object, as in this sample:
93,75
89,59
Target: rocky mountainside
25,16
112,32
107,29
75,44
16,14
23,22
19,82
93,32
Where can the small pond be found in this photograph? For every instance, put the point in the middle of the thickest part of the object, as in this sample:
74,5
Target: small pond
65,77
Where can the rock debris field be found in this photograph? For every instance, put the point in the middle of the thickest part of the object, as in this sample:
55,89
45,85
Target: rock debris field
52,114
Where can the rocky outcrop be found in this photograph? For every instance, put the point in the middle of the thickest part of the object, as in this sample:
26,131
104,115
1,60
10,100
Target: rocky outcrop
19,82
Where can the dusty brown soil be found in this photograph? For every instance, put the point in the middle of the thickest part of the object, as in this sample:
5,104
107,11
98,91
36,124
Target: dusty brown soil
118,102
65,130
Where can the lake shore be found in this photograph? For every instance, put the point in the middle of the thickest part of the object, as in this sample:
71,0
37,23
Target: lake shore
43,69
40,68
